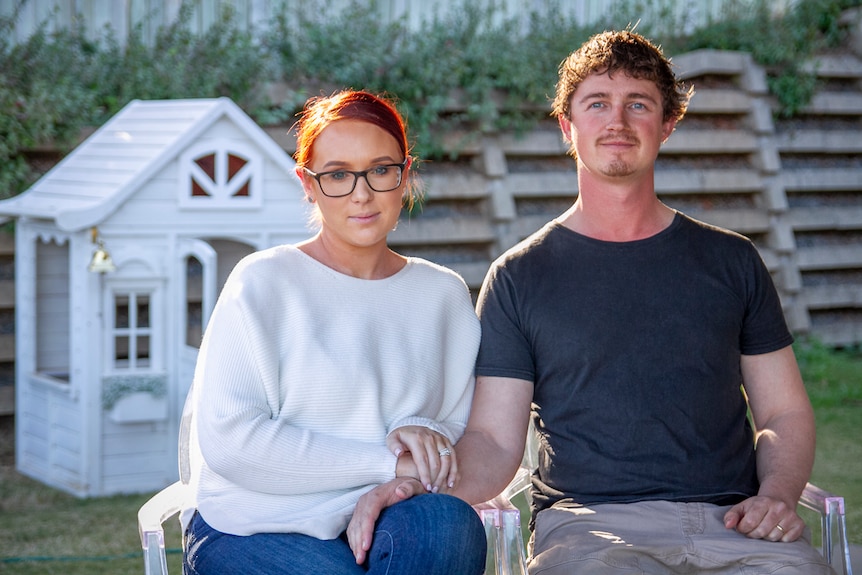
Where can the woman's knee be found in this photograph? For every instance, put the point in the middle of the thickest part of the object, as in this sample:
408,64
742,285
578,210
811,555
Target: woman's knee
437,523
437,513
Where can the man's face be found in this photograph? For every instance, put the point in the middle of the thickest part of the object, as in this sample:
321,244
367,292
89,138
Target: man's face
616,125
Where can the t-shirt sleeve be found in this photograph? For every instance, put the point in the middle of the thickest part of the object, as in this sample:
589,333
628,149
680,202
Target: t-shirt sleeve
764,325
505,349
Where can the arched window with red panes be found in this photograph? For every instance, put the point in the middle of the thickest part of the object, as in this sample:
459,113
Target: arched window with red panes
223,174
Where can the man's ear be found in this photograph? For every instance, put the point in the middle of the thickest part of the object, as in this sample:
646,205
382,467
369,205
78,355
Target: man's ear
667,129
565,128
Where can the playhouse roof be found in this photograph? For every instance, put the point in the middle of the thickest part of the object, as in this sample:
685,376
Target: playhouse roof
109,166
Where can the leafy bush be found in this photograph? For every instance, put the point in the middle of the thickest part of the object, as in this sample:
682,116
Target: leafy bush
42,96
222,61
782,45
449,73
469,67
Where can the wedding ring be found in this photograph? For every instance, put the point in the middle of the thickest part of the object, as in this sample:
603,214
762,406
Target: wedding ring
445,452
780,528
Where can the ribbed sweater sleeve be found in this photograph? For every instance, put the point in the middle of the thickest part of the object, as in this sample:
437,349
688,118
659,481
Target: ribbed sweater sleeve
304,371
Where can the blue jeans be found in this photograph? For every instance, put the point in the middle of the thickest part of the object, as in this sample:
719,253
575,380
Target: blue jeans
430,534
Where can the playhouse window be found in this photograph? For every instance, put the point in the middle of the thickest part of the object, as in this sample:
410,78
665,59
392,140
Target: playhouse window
194,302
52,309
224,175
132,330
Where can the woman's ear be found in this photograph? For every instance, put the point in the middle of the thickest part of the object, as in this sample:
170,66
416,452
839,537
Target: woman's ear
300,174
305,180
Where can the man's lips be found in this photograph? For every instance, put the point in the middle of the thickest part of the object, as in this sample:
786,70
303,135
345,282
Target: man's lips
618,142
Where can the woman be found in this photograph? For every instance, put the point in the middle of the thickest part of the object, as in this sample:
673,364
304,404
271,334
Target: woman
329,368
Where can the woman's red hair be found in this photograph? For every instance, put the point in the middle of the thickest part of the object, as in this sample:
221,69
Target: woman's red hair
319,112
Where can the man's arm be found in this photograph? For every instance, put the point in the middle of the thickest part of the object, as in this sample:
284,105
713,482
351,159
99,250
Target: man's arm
492,447
784,424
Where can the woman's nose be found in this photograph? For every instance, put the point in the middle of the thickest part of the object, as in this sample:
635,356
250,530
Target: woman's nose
362,192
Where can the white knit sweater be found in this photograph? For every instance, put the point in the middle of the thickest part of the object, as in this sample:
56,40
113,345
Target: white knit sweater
302,373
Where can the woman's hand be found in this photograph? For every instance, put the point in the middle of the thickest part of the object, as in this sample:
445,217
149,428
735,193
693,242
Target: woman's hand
436,466
360,530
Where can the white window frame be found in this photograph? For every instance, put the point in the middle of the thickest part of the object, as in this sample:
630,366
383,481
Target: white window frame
221,190
154,331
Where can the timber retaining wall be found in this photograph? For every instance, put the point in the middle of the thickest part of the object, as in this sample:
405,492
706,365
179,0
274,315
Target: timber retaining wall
793,186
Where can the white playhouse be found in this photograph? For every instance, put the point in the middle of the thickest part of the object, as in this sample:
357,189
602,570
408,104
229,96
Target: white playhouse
120,252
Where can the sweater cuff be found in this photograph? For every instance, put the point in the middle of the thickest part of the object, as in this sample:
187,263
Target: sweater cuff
445,429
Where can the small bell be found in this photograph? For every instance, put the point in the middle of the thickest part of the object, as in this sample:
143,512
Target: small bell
101,261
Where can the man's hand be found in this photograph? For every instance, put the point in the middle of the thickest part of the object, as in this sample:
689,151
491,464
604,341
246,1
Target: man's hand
762,517
360,531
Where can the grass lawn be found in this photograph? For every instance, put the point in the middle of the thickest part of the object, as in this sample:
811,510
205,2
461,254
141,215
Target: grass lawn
834,383
46,532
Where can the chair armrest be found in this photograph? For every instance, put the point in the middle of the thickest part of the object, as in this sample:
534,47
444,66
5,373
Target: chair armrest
164,504
833,526
820,500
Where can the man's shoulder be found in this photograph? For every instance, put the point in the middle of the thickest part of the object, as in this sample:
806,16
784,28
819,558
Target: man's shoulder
531,246
699,226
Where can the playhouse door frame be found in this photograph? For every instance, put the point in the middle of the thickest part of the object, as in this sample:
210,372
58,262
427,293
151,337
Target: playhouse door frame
187,354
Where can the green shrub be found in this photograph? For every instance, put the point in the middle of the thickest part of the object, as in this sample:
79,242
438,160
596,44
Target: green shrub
42,96
472,67
222,61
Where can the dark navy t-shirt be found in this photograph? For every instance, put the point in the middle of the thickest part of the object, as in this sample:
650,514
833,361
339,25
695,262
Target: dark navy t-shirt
634,350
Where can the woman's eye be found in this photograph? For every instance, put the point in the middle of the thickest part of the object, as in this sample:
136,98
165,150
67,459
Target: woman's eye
337,176
381,170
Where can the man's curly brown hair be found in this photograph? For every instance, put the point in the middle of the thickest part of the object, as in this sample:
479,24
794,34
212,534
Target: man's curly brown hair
621,51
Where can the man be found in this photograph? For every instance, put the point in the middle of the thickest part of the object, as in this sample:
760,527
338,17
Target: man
631,335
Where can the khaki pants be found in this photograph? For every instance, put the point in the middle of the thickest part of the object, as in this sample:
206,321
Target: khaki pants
659,537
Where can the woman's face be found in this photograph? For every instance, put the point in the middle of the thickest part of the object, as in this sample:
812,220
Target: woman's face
364,217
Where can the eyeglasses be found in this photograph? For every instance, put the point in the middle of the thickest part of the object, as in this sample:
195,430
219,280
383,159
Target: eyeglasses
339,183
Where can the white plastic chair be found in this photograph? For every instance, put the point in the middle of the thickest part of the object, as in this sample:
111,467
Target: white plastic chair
502,520
506,552
833,526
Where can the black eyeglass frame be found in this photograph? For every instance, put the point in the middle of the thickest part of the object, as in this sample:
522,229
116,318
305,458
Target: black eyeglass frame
356,175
